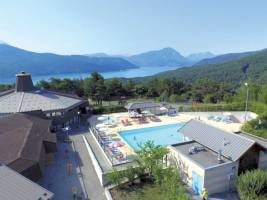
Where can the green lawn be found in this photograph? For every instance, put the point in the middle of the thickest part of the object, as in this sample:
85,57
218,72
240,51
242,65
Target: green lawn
138,192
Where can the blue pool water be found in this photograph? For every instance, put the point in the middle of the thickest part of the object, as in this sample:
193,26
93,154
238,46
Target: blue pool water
106,120
161,135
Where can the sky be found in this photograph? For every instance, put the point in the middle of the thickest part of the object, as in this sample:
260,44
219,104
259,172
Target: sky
134,26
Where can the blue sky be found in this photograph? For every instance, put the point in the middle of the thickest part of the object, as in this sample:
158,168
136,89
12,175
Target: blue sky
133,26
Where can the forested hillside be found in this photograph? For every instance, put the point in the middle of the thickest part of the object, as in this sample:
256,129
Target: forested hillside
252,67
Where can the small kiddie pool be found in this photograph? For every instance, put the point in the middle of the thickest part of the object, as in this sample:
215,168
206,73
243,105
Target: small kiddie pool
105,119
161,135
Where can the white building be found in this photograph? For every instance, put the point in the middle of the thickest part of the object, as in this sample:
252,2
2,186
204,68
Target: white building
214,158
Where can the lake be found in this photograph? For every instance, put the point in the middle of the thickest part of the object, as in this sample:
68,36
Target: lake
130,73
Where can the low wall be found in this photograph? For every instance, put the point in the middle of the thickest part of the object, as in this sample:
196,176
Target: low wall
97,167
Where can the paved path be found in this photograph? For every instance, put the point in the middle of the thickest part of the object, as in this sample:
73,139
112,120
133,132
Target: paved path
94,190
83,176
59,177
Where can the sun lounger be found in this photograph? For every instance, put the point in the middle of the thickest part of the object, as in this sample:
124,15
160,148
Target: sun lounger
155,119
127,122
211,117
115,151
106,142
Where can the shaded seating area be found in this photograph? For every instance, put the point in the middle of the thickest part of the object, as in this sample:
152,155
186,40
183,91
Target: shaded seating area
141,109
138,107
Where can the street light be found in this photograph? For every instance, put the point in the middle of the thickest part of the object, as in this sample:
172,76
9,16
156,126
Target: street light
246,108
79,118
66,129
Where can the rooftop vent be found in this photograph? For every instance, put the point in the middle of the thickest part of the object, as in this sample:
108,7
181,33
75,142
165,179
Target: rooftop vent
219,158
24,82
196,149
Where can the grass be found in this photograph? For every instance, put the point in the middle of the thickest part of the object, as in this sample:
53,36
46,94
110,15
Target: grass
139,191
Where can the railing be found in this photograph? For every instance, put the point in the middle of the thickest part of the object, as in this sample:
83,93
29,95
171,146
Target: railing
107,151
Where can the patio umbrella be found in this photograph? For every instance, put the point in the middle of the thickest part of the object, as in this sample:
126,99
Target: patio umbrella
163,108
145,112
102,129
227,113
101,118
100,125
117,144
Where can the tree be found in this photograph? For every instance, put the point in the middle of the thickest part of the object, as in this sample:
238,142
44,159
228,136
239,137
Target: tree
129,88
263,94
151,156
171,185
140,90
164,96
94,87
5,87
174,98
252,185
113,88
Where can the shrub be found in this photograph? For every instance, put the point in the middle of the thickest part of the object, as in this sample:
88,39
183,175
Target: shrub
116,177
130,173
174,98
252,185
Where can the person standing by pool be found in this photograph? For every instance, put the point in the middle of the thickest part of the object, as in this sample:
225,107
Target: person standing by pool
205,194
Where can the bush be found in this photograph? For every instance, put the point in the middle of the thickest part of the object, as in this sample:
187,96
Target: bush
130,173
252,185
174,98
116,177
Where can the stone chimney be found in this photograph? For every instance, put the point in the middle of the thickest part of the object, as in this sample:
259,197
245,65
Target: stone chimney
24,82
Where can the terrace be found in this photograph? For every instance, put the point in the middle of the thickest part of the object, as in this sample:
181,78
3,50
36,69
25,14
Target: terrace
109,130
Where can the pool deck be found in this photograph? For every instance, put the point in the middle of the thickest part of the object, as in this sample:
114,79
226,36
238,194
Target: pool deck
117,126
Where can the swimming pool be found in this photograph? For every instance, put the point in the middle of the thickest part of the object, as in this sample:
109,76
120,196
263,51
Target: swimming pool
161,135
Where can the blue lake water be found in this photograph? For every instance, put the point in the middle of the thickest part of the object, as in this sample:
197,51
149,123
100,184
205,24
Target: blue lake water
160,135
130,73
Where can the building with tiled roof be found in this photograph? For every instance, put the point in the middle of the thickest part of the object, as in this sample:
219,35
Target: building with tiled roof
25,139
62,108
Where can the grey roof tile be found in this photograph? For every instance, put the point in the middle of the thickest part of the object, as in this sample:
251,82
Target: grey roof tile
233,146
14,186
36,100
141,105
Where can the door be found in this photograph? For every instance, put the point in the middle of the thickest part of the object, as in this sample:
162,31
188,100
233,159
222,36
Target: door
197,183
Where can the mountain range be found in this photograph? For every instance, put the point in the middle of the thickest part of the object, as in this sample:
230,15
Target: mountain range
237,68
231,68
13,60
160,58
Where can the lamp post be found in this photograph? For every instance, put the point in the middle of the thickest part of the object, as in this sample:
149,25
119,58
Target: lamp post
246,107
66,129
78,118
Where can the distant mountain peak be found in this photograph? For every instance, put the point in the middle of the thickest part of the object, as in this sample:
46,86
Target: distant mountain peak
2,42
168,49
159,58
99,54
196,57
